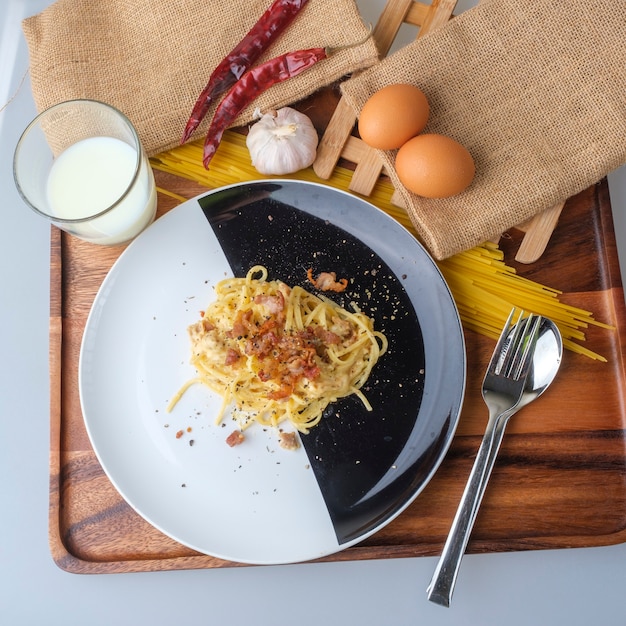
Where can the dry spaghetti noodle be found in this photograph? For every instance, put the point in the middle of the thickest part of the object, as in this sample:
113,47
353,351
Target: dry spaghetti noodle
484,287
281,353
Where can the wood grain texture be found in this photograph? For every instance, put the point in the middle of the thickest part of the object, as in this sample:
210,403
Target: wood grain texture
538,232
560,479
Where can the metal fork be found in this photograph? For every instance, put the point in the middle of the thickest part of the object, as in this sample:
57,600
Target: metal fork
503,389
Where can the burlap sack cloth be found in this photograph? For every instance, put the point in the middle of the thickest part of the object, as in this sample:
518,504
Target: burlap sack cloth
151,58
535,90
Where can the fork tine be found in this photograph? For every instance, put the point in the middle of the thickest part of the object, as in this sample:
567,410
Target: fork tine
496,360
511,356
529,347
520,348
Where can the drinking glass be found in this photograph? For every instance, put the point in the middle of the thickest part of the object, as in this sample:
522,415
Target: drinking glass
80,164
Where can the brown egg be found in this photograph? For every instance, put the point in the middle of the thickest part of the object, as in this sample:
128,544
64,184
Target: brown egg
434,166
392,116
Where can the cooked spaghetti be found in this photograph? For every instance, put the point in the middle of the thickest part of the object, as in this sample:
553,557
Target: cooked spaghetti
280,353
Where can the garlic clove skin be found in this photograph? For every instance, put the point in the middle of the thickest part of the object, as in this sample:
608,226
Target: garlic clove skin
282,142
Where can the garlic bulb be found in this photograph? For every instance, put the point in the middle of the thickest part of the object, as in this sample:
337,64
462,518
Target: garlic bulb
282,142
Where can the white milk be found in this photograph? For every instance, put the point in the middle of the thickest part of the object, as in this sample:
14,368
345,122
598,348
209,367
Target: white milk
89,177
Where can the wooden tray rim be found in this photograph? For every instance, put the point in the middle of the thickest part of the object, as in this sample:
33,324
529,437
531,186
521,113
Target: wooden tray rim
68,561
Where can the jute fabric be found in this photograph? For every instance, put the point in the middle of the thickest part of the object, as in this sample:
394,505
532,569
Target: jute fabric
535,90
151,58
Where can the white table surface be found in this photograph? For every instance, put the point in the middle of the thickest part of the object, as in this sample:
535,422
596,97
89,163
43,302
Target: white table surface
577,586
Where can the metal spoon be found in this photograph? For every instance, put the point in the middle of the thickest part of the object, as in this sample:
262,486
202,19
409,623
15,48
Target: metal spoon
545,363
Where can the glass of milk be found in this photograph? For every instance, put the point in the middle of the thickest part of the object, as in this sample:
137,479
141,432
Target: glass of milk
80,164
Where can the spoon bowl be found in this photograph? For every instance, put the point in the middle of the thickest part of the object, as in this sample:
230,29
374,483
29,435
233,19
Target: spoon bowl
545,362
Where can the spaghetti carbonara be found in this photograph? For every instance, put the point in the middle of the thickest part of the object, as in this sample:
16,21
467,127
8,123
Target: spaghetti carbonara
280,353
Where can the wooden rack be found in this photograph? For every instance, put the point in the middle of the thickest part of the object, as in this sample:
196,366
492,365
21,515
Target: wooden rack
339,139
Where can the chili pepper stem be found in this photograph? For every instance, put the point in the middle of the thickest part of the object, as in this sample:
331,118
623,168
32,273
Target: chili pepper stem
330,50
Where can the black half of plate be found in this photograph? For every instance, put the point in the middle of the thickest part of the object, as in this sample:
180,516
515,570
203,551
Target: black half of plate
368,464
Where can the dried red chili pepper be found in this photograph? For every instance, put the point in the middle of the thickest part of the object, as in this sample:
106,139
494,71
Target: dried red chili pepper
269,26
256,81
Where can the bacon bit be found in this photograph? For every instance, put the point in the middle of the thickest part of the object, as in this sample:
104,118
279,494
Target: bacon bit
235,438
283,393
288,441
179,434
286,359
273,304
200,328
327,336
327,281
341,328
311,373
271,323
207,325
243,324
262,345
232,356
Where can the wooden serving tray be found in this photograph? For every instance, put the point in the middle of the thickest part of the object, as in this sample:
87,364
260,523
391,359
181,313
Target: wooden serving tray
560,480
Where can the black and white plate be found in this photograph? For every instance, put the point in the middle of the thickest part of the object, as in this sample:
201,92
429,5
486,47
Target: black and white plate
258,503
